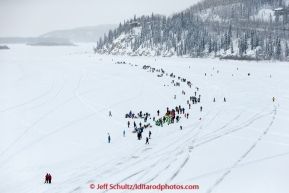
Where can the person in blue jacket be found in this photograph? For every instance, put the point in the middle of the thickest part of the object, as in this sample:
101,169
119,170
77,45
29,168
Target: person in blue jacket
109,138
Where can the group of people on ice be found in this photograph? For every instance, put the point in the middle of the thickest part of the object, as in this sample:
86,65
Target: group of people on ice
171,116
139,115
120,62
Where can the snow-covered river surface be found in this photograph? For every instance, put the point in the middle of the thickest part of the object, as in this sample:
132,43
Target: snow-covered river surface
54,118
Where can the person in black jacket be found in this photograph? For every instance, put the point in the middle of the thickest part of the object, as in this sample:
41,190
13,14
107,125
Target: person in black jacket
177,118
147,140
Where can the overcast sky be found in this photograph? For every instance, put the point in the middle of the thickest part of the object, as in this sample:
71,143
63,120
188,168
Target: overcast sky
30,18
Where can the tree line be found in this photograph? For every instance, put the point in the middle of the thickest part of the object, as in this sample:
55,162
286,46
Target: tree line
209,28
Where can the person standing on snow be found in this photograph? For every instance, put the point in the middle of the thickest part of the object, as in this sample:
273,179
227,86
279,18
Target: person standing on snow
150,134
123,133
187,115
183,110
273,99
128,123
158,112
224,99
147,140
49,178
195,93
134,124
110,113
189,106
214,99
201,108
139,124
46,178
108,138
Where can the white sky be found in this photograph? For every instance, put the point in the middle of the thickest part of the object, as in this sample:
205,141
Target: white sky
28,18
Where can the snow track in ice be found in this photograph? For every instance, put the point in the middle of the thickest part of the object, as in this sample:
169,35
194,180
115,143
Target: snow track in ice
221,179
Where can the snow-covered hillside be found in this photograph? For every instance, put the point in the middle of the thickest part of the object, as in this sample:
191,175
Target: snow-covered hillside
122,46
239,29
81,34
54,118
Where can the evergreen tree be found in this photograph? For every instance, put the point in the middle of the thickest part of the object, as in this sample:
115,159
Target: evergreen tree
286,50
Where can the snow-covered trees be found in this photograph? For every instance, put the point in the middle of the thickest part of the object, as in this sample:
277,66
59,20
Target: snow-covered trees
192,34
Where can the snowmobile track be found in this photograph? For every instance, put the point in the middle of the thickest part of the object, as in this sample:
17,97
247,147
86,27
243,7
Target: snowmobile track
221,179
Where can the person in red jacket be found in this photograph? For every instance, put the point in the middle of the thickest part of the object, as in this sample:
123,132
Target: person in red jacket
46,178
49,178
